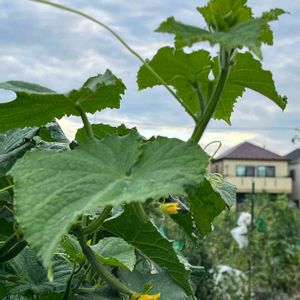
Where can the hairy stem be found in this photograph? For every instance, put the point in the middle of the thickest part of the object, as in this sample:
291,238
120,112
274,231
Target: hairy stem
77,12
140,212
13,252
9,243
68,287
214,99
82,278
200,97
85,120
6,188
97,223
97,266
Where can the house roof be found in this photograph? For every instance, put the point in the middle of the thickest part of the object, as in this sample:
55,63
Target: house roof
248,151
294,155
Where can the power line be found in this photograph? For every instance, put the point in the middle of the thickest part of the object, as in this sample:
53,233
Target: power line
210,128
164,126
251,128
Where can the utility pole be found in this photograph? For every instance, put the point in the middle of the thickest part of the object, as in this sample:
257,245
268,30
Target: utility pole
250,238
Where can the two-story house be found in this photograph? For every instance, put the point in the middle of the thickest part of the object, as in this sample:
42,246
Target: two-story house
294,169
252,168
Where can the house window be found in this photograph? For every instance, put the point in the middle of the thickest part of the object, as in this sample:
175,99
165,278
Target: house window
265,171
245,171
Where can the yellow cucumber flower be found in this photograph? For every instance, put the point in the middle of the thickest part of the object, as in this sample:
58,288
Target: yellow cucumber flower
149,297
170,208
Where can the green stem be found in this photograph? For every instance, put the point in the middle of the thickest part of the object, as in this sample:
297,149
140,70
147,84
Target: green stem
98,268
140,212
68,286
124,44
6,188
9,243
80,281
214,100
85,120
97,223
13,252
200,97
88,290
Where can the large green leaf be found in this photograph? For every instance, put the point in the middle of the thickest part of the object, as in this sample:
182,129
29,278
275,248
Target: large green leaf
146,237
185,72
209,199
116,252
31,276
115,170
111,251
185,221
100,130
52,132
36,105
230,24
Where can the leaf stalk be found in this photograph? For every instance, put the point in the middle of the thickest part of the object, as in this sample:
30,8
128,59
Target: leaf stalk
13,252
214,99
200,97
140,212
97,267
85,120
97,223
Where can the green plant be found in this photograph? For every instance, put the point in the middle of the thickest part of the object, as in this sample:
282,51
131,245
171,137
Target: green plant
85,202
274,247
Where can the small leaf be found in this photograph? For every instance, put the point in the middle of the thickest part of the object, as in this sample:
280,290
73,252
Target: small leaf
116,170
52,132
246,72
72,249
230,23
146,237
33,277
183,71
36,105
111,251
185,35
116,252
221,15
13,145
100,130
207,201
225,189
272,15
161,283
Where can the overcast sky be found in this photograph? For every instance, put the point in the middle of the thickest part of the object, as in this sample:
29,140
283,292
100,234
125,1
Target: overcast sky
59,50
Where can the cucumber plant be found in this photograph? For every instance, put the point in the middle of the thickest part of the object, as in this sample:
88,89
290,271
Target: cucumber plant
86,211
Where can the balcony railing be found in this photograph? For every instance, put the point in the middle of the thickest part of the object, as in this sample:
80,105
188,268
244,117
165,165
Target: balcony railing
276,185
